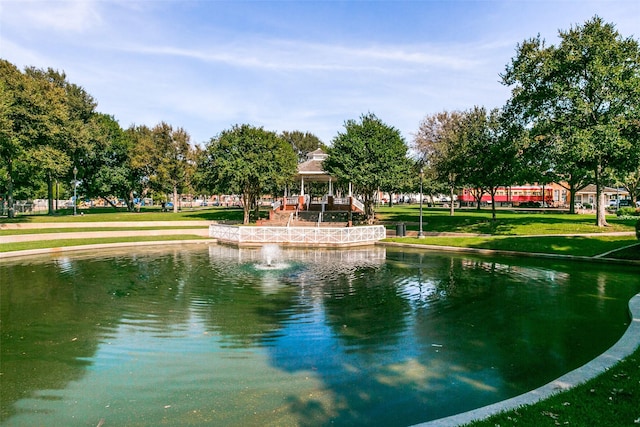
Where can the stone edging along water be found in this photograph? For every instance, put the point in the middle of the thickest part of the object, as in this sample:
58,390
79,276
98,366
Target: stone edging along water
621,349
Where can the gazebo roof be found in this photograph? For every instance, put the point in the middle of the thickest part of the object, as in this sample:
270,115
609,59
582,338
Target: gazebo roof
311,169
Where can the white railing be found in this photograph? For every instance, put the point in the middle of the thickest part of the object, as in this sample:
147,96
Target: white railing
292,201
297,235
358,204
340,201
276,205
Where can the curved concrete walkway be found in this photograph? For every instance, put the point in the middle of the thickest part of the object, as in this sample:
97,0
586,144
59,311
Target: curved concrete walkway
623,348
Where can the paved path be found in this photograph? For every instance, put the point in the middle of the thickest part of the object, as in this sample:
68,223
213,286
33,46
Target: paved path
202,230
115,224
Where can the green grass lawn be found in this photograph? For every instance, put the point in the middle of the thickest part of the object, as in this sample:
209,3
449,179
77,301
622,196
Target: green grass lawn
560,245
121,214
20,231
60,243
507,222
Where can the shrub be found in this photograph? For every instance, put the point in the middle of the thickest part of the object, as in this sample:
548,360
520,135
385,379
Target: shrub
638,229
628,211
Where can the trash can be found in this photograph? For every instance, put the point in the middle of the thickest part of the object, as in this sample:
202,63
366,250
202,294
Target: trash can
401,229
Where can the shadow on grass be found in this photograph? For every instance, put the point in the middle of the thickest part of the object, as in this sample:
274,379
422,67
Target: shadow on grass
507,222
629,247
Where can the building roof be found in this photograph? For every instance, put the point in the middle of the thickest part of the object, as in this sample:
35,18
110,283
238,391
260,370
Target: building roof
591,189
311,169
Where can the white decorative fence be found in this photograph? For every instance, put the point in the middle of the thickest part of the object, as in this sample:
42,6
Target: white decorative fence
327,236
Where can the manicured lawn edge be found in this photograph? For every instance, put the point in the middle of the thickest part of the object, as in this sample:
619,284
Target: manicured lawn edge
463,249
10,250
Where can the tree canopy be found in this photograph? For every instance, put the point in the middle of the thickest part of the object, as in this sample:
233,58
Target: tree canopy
370,155
302,143
583,96
249,161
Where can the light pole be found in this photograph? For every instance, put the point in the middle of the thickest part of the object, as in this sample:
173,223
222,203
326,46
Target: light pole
75,184
421,177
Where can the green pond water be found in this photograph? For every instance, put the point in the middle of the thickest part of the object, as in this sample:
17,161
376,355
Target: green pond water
211,335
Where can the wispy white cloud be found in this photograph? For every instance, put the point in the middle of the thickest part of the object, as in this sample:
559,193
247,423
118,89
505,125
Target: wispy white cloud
287,55
206,65
58,15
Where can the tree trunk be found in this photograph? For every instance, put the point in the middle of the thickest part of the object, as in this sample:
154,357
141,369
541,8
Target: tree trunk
175,198
130,204
246,206
451,206
50,194
256,207
572,198
10,212
493,203
368,209
113,205
601,220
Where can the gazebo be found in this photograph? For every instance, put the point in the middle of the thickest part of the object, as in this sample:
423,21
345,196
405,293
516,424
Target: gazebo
311,171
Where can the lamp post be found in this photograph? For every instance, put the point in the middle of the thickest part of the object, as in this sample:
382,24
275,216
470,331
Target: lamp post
75,184
421,177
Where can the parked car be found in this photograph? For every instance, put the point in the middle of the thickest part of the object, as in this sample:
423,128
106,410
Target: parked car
529,204
622,203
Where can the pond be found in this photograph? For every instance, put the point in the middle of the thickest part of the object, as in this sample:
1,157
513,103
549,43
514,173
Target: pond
212,335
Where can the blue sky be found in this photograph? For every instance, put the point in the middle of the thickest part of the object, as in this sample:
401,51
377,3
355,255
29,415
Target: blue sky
287,65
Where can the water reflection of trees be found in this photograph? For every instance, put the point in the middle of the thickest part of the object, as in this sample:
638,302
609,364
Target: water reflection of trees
481,337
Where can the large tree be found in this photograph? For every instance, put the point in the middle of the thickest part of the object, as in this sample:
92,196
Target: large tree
170,158
495,153
106,161
36,114
248,161
302,143
584,95
441,150
69,135
370,155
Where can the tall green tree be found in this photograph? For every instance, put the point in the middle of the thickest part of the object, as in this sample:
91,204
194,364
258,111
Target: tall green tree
584,95
170,159
36,111
441,149
248,161
142,160
106,161
302,143
370,155
69,137
496,152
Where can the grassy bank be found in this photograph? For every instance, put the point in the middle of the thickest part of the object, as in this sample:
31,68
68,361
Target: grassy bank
508,222
611,399
60,243
121,214
622,247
